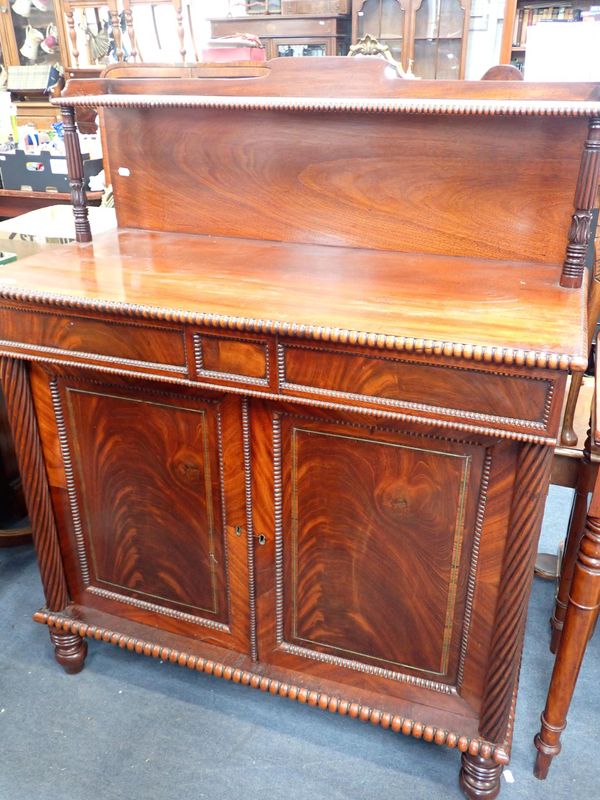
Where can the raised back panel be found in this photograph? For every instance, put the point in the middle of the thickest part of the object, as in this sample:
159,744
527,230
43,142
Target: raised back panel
324,77
498,187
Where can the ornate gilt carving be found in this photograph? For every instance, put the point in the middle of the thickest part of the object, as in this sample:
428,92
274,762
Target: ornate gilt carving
370,46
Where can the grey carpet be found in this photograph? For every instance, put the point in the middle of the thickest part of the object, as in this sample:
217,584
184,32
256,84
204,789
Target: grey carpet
130,727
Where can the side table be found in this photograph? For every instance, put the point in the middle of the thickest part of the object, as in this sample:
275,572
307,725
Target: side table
580,619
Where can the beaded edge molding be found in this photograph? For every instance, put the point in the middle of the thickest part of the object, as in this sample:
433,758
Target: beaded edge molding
393,105
409,727
490,354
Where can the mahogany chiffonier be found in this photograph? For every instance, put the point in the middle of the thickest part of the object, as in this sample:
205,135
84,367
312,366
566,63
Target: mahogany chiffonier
292,423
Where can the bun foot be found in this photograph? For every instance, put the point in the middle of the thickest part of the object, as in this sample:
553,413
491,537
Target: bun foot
70,651
479,777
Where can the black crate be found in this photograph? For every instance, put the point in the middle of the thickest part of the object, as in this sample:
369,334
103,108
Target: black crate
42,173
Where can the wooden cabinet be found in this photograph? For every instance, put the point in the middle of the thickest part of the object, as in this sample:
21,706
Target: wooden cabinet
298,35
430,36
304,444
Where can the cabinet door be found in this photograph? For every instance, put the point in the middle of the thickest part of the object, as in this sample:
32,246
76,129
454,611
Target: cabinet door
147,488
385,20
375,570
440,33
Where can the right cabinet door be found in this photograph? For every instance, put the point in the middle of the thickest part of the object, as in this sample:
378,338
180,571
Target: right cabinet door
383,551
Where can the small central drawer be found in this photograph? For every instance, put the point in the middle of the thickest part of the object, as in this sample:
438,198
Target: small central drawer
232,358
492,396
115,344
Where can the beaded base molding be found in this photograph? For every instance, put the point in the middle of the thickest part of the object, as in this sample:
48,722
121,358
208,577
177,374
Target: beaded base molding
336,705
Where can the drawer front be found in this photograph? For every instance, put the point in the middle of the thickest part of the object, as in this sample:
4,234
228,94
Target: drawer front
493,397
232,359
280,27
128,346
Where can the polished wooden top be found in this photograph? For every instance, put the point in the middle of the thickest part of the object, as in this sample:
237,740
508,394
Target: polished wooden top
514,312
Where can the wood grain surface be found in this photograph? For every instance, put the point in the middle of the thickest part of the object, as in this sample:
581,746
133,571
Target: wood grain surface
134,506
353,374
372,521
150,497
14,378
334,495
94,337
471,301
398,182
325,77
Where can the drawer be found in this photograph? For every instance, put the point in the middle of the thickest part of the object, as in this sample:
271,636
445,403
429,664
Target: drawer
492,396
278,27
65,337
232,359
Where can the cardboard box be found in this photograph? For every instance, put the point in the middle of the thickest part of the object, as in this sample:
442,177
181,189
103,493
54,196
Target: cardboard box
41,173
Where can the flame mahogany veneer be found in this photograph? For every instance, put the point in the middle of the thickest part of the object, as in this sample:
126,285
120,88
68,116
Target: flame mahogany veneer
292,423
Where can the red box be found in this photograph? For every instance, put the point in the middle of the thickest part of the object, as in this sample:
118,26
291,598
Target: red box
219,55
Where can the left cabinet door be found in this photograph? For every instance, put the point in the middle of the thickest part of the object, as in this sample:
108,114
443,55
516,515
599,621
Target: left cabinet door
150,508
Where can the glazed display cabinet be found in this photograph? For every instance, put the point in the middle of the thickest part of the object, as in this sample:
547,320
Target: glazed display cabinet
297,35
32,32
431,36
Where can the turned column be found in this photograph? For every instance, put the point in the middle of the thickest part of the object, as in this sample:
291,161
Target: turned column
581,222
479,776
70,651
582,612
585,481
83,231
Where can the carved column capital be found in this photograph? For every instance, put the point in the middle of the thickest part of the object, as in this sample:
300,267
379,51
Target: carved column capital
83,231
585,195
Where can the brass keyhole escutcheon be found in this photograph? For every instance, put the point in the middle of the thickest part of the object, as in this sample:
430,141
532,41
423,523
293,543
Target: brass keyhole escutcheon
400,505
238,530
261,538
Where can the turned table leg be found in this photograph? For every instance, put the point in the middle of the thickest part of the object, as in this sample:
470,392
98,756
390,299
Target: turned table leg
479,777
582,612
568,437
587,472
70,650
